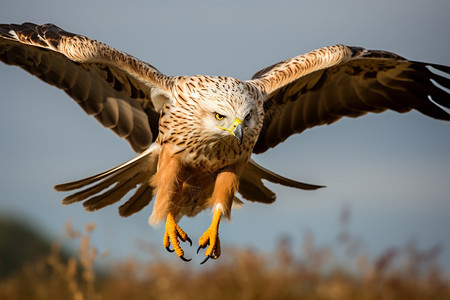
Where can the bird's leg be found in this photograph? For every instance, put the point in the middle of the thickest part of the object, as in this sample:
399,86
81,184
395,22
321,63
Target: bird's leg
169,188
211,237
224,189
171,234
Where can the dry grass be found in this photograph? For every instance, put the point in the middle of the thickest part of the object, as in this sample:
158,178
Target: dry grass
314,273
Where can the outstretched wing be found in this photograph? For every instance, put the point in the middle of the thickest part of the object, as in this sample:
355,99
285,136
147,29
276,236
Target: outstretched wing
120,91
330,83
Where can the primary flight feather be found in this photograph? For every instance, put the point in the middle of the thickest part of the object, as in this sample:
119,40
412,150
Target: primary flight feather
196,134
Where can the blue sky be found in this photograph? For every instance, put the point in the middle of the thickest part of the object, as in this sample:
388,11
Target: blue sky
392,170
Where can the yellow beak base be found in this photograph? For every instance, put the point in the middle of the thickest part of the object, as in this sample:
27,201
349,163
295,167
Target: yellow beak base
236,129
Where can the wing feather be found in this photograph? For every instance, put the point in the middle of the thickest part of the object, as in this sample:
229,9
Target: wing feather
252,188
110,186
327,84
112,86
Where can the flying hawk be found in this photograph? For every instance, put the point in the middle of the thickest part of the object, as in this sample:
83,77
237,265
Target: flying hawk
195,134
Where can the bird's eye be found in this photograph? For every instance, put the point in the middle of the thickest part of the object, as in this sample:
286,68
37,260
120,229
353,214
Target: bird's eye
248,117
219,116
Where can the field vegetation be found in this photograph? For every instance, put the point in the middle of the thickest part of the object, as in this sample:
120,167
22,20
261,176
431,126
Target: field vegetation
340,271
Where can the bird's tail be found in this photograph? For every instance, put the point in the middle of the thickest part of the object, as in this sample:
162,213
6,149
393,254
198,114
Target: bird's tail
112,185
252,188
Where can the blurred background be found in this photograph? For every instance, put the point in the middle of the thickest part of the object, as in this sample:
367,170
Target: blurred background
392,171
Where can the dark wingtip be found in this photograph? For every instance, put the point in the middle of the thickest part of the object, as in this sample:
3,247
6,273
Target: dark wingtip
356,51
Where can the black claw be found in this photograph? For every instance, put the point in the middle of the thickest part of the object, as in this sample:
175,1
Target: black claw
168,249
200,247
205,260
189,240
182,258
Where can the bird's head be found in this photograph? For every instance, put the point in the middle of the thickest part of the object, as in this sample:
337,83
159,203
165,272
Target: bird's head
236,128
225,108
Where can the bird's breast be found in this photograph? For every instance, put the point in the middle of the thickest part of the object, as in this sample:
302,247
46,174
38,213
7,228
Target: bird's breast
213,156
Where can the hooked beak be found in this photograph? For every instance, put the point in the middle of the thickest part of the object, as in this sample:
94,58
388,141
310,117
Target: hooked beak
236,129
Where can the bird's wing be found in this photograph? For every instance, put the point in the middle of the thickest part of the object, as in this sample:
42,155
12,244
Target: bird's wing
333,82
120,91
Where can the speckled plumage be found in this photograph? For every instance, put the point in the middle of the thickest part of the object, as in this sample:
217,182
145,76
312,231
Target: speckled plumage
198,97
196,134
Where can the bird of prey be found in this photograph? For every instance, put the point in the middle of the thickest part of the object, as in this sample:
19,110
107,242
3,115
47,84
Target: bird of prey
195,134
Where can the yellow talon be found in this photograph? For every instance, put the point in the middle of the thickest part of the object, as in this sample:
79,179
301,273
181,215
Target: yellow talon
171,235
211,238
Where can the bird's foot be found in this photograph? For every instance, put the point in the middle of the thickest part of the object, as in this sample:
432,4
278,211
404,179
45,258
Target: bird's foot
211,238
171,235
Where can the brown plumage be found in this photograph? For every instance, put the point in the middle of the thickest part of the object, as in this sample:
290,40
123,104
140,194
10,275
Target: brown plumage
196,134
